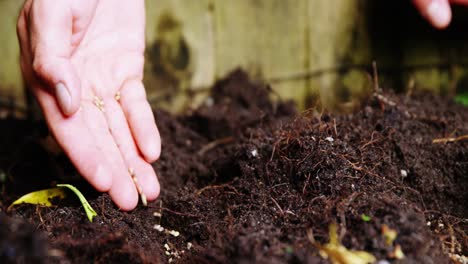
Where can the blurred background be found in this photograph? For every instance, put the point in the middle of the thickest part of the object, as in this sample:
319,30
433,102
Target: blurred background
312,51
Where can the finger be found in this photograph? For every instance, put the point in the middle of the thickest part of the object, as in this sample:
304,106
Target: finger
437,12
77,141
140,118
123,137
85,138
123,191
50,35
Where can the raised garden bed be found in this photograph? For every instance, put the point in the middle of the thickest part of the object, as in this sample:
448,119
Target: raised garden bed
245,179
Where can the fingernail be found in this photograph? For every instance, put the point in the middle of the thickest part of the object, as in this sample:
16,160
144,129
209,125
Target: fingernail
63,97
439,13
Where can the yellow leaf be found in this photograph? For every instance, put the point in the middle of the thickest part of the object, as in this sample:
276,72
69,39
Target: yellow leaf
339,254
397,253
389,234
41,197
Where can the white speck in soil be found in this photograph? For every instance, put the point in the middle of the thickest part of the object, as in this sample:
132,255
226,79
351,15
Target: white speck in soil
159,228
404,173
254,153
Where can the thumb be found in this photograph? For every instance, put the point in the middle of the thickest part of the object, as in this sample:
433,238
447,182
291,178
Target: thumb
437,12
51,25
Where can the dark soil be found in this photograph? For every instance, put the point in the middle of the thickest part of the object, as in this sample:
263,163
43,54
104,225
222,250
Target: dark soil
245,179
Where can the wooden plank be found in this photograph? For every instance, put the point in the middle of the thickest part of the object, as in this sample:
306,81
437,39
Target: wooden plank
338,36
180,53
266,37
11,84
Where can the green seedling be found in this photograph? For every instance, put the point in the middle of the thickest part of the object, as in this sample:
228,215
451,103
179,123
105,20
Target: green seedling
44,197
365,218
462,99
87,207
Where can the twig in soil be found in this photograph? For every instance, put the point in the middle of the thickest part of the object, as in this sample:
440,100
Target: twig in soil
274,149
375,77
449,139
103,215
334,127
226,185
372,141
38,212
305,184
345,203
277,205
214,144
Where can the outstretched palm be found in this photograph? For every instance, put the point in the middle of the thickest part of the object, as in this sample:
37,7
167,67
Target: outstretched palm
84,62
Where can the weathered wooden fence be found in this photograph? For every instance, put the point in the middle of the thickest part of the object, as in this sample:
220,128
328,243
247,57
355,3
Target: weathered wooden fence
307,49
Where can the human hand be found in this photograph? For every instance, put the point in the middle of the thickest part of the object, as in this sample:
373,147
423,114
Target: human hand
437,12
84,63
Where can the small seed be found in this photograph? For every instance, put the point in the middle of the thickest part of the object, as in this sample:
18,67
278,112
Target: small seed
159,228
138,186
143,199
157,214
173,233
99,103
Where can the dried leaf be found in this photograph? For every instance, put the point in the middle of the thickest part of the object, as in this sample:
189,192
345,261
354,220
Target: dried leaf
339,254
389,234
42,197
397,253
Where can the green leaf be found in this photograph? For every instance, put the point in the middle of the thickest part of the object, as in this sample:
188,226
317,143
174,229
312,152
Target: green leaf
365,218
462,99
87,207
42,197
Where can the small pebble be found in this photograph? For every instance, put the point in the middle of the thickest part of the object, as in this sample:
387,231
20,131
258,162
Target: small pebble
383,261
254,153
329,139
189,245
